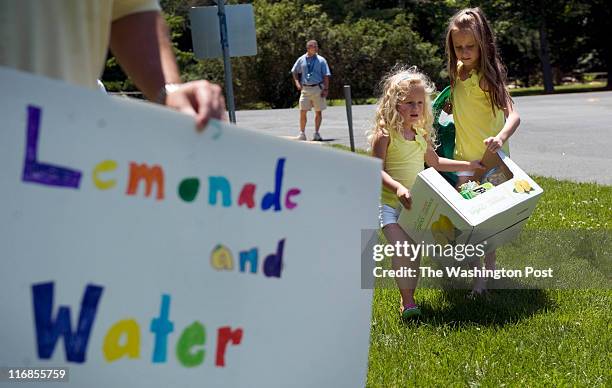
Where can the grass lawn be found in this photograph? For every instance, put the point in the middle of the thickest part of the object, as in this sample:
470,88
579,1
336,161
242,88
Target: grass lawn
521,337
570,88
355,101
528,91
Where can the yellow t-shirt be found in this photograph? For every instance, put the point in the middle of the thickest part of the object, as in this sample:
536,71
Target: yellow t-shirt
63,39
404,160
474,119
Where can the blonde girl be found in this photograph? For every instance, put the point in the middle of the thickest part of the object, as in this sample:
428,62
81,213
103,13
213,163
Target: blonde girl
403,138
483,111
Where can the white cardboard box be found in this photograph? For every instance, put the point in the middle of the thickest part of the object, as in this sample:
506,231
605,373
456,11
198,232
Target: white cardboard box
439,214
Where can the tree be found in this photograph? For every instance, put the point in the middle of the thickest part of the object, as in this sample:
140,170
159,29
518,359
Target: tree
534,15
364,39
362,52
599,28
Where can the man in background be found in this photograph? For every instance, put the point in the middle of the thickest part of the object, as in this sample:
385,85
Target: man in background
311,76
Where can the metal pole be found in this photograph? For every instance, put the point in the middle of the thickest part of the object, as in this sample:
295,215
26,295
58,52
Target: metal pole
227,64
349,114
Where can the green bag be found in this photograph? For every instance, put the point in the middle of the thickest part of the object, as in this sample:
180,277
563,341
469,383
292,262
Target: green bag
445,132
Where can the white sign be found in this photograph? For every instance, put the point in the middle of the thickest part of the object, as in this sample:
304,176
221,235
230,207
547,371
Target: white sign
137,252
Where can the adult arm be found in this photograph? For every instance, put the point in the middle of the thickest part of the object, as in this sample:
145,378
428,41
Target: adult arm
142,46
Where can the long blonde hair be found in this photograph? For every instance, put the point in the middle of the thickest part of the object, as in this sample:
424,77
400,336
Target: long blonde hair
491,66
395,86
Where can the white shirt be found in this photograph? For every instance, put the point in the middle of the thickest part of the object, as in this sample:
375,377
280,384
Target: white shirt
63,39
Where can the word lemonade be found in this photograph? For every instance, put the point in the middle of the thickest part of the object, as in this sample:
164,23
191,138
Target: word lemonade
123,338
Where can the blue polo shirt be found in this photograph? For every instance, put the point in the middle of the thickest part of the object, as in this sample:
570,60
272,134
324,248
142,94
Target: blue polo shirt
312,69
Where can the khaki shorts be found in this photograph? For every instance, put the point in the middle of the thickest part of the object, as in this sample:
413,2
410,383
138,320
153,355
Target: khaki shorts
311,97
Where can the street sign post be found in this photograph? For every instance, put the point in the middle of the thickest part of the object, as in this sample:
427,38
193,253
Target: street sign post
223,32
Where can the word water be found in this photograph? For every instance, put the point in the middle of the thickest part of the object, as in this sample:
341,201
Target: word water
123,337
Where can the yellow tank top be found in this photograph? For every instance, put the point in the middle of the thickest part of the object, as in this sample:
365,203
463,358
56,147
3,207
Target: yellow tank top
474,119
404,161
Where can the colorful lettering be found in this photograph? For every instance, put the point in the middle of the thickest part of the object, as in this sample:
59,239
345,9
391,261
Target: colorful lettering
247,195
226,336
289,204
150,175
221,258
191,337
42,173
273,199
273,264
162,327
250,257
113,349
219,184
49,331
123,338
102,167
188,189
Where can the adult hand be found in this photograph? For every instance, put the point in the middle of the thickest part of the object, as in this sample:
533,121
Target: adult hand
298,86
324,93
493,143
404,197
200,99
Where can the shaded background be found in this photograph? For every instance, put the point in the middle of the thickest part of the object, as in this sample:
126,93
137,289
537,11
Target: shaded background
542,42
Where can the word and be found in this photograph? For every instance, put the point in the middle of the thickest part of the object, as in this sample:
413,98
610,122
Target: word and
221,259
123,337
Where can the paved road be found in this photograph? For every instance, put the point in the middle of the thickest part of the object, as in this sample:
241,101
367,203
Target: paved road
567,136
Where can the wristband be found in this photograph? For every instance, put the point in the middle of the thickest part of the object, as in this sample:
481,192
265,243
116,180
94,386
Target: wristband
164,91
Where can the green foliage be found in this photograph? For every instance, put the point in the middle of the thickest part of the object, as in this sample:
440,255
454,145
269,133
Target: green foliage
573,29
115,79
282,31
363,39
363,51
359,52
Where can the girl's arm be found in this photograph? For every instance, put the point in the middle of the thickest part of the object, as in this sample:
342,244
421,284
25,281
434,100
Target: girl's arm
379,150
512,122
443,164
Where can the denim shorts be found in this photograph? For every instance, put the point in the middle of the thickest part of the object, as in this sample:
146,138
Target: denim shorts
388,215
